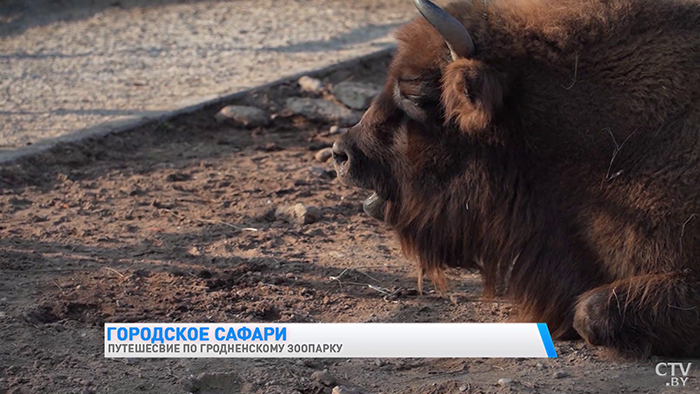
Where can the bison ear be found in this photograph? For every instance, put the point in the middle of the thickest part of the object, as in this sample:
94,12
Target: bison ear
471,93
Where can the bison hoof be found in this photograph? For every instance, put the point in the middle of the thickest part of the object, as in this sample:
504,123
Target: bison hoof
592,318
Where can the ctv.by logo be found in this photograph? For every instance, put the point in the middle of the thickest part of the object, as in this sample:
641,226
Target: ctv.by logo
675,369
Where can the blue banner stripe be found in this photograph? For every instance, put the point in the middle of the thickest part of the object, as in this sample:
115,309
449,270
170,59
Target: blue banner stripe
547,340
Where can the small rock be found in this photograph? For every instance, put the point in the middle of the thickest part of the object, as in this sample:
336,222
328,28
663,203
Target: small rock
189,384
178,177
347,390
356,95
505,382
318,145
323,377
539,366
310,84
298,214
324,154
309,363
247,116
214,382
463,388
322,172
269,147
322,111
561,374
378,362
335,129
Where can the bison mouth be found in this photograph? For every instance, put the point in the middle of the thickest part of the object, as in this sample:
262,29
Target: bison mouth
374,206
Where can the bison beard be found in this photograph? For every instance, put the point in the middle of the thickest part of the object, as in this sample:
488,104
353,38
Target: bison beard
558,153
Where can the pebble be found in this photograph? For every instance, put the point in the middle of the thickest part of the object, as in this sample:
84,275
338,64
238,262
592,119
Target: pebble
356,95
178,177
505,382
310,84
322,172
211,382
378,362
245,115
298,214
323,377
322,111
335,129
463,388
561,374
324,154
189,384
539,366
347,390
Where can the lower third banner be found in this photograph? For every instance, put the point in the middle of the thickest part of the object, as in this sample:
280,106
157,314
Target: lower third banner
327,340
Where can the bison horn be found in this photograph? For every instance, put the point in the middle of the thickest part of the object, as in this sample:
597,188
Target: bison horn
455,34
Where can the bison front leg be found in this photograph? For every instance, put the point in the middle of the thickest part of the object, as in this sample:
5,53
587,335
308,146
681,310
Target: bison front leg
643,315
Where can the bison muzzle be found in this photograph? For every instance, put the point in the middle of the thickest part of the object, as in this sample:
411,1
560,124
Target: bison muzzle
554,146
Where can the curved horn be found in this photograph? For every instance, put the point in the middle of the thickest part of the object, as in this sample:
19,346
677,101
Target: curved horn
455,34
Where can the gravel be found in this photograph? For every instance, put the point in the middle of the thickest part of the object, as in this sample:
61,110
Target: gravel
244,115
323,377
505,382
347,390
322,110
310,84
298,214
356,95
68,67
323,155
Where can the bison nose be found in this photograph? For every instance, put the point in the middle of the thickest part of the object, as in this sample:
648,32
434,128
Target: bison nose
340,154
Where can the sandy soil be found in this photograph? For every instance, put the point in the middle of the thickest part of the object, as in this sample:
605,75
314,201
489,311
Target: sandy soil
83,66
146,226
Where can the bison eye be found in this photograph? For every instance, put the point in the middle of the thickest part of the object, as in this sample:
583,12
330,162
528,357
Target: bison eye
414,98
411,107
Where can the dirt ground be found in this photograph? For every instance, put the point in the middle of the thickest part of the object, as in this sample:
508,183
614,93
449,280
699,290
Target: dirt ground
173,222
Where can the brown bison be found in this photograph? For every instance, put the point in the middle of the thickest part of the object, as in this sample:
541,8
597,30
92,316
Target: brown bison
554,146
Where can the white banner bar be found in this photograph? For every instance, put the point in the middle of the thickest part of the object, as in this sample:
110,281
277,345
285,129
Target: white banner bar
327,340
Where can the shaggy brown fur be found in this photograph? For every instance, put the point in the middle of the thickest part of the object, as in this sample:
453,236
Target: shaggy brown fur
562,161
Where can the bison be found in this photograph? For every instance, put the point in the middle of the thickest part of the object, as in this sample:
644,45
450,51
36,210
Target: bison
554,147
